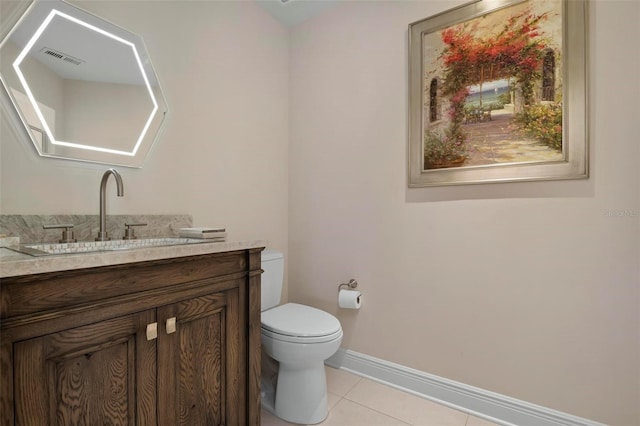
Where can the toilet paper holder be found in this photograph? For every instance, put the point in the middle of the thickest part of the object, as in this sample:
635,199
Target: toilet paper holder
351,284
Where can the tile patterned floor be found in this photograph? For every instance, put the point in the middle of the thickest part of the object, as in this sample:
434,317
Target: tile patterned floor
356,401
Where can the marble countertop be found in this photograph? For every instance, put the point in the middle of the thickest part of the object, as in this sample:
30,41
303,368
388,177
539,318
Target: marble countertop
15,264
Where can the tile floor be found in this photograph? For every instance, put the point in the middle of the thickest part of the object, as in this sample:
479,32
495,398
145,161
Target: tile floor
356,401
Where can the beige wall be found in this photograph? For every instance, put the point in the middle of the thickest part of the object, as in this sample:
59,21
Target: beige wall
529,289
223,155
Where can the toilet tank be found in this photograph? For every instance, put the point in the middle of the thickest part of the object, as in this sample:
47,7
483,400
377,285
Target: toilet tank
272,278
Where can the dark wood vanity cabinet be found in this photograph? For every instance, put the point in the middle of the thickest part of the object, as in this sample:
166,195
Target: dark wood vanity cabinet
97,374
165,342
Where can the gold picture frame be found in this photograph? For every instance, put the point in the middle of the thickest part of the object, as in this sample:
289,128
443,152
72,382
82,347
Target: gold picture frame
498,93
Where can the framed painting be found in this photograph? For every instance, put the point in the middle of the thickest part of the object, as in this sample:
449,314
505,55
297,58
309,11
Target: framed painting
498,93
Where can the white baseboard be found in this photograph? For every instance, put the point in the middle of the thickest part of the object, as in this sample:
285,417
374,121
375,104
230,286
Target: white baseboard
481,403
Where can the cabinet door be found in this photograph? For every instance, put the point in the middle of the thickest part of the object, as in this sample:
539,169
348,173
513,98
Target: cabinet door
200,376
98,374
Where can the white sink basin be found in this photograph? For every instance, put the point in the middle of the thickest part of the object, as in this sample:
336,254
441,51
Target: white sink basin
44,249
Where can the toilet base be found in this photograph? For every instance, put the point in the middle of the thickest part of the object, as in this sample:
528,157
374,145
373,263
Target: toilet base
301,386
301,393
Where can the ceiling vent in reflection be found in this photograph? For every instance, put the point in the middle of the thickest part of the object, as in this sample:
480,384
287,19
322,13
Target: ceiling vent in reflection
61,56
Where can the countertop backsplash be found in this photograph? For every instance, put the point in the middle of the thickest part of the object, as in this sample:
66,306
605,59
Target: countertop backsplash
29,227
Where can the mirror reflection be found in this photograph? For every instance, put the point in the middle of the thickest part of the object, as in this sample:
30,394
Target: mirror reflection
83,88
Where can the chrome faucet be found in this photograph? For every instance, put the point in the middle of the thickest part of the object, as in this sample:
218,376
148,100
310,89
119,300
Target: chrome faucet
102,234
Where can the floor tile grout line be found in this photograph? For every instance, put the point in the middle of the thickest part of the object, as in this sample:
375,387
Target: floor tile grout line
388,387
360,378
379,412
346,396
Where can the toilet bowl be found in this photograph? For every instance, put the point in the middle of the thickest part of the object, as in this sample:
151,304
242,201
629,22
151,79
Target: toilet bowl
300,338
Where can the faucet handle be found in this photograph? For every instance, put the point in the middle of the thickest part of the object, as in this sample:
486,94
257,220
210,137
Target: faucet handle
129,233
67,234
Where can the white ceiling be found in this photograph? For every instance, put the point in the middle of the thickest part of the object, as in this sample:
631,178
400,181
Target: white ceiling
293,12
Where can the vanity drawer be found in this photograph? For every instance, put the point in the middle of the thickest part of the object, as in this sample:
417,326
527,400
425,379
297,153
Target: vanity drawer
43,292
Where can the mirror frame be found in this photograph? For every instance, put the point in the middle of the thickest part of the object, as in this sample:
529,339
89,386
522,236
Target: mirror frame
82,150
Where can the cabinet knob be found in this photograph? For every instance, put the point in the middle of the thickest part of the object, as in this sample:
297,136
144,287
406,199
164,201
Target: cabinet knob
171,325
152,331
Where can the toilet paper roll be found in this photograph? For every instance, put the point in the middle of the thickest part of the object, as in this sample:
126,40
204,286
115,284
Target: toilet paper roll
349,299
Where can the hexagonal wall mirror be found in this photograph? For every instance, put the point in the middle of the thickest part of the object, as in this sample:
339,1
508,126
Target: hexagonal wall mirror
80,87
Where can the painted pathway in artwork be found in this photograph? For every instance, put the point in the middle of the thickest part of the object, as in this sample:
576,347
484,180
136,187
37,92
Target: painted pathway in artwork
495,141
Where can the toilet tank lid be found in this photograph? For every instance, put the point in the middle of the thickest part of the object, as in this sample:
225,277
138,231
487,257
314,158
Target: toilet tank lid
270,254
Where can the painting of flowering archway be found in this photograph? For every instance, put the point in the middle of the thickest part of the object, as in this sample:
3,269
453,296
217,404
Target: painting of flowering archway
491,85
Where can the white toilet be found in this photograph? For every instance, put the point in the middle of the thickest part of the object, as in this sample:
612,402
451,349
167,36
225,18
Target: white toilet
300,338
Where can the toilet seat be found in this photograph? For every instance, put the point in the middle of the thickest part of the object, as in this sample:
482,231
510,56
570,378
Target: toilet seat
297,323
301,340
